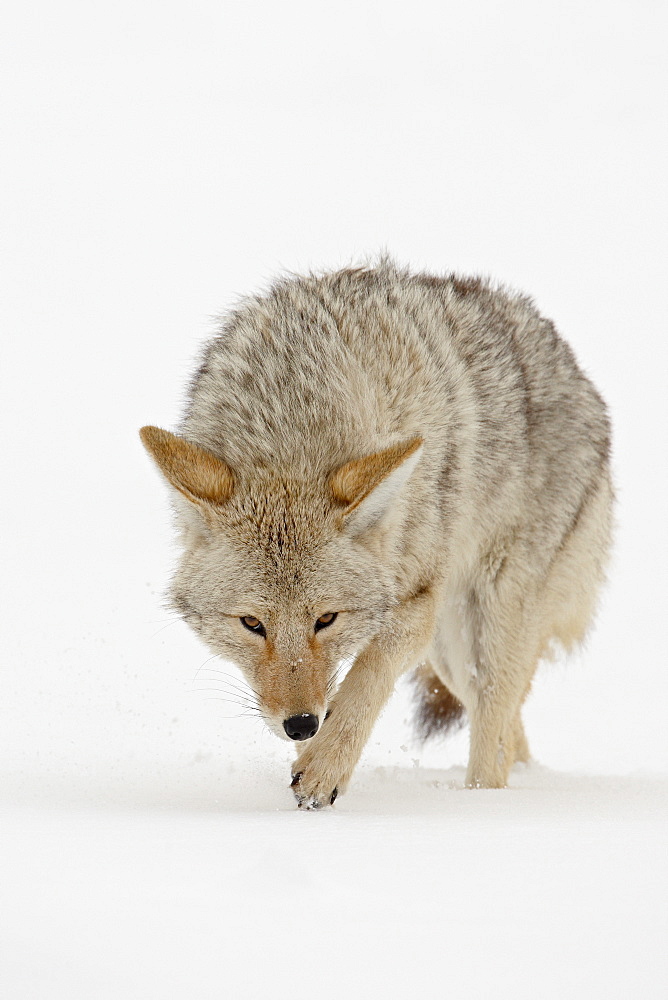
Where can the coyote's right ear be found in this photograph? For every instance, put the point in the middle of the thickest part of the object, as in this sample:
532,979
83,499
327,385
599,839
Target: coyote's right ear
193,471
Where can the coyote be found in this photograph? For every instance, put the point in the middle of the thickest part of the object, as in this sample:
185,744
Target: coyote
393,471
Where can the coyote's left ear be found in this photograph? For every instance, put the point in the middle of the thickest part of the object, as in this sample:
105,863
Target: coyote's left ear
367,487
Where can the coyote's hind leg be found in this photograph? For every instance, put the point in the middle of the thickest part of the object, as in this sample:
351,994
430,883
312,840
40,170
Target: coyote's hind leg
507,650
497,737
492,752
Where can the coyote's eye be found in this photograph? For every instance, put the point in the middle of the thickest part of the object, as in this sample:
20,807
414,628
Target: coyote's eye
253,625
325,620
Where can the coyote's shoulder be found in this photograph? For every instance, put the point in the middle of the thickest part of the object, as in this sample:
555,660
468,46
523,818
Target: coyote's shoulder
420,457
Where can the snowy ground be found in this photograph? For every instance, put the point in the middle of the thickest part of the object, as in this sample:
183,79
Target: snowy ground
410,886
164,161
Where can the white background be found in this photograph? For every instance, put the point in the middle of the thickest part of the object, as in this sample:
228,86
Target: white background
158,161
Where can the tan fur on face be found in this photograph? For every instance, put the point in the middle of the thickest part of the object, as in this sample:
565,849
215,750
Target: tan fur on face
294,685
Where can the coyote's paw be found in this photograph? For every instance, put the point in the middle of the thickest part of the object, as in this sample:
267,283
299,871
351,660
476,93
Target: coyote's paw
318,777
312,800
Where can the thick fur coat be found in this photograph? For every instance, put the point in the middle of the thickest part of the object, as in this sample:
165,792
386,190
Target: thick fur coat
396,470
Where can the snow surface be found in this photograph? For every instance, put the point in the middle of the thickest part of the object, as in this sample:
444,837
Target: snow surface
163,161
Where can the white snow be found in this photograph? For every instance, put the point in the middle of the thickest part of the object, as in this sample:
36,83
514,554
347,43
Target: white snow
162,161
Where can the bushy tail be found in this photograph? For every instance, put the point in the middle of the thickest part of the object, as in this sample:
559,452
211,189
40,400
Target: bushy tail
438,712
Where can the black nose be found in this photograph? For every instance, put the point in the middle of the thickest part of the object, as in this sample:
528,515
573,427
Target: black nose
301,727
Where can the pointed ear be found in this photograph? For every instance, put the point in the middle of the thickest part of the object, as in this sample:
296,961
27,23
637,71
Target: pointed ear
367,487
193,471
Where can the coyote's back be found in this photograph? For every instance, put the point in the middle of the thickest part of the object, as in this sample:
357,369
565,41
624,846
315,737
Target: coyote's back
393,469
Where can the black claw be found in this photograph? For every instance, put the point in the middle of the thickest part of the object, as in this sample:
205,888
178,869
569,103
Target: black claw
295,779
333,798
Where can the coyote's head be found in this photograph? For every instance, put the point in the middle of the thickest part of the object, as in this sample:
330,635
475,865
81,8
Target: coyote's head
285,577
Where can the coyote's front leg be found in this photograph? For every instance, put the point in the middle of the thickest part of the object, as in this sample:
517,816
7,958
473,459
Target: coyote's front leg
323,768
